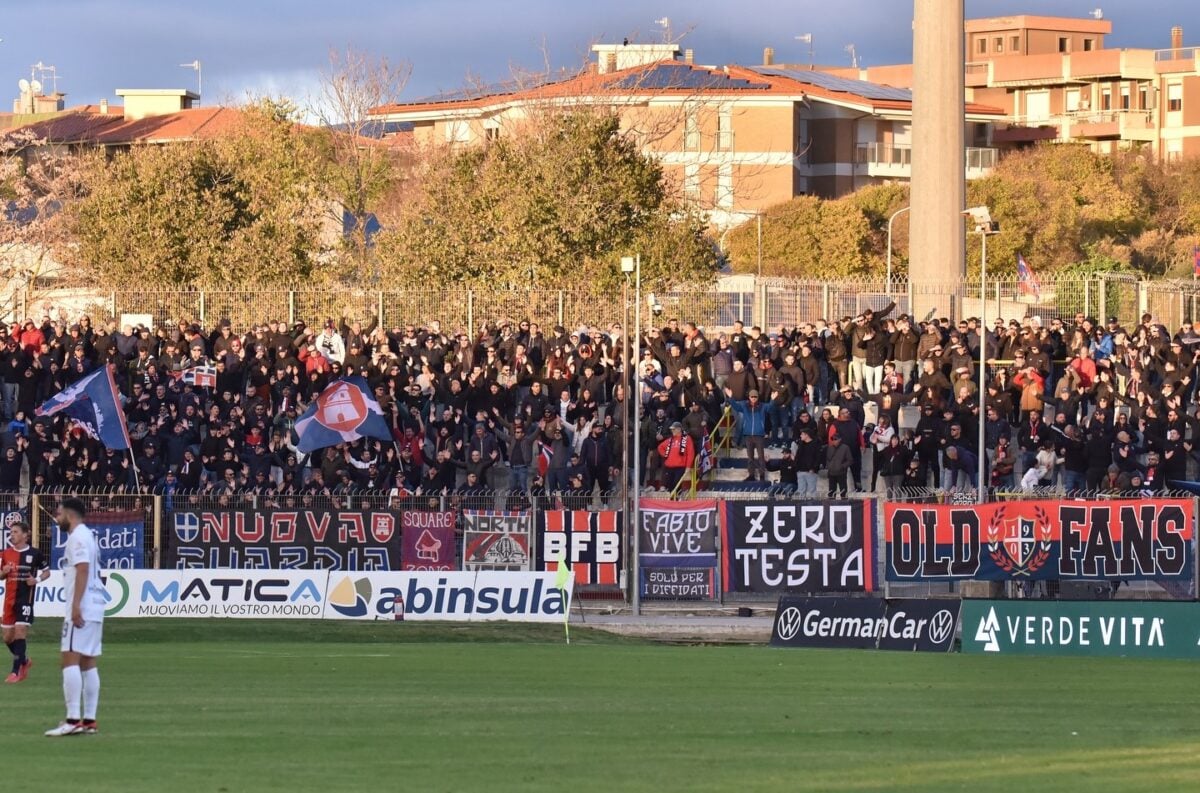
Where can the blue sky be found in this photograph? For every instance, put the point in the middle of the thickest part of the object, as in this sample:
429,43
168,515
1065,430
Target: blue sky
262,46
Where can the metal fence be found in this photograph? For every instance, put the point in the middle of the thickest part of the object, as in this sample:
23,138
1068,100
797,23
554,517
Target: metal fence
157,512
766,302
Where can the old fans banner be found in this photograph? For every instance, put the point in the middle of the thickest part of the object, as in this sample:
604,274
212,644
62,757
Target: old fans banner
804,547
1033,540
280,539
678,549
589,541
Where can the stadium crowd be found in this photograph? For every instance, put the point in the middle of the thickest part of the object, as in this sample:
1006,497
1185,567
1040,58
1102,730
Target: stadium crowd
1079,404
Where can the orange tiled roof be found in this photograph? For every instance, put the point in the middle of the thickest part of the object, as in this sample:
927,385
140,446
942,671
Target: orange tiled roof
79,126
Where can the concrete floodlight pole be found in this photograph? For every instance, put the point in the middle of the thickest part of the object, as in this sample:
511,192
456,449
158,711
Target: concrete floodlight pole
937,248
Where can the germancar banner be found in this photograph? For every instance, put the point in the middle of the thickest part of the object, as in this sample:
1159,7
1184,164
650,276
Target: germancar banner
804,547
304,539
1035,540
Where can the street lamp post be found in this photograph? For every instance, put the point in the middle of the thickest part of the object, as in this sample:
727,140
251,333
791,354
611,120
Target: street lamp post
889,246
633,264
983,227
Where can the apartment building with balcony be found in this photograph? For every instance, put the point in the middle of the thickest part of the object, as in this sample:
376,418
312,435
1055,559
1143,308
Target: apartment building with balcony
1057,81
735,139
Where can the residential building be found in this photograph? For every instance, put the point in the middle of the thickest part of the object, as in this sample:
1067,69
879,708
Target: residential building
1057,81
736,139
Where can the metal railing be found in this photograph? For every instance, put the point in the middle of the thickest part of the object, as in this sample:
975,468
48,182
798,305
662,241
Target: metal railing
1176,54
897,155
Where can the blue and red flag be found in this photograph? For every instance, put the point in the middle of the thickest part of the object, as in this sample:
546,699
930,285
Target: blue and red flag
95,406
1027,281
345,411
1196,262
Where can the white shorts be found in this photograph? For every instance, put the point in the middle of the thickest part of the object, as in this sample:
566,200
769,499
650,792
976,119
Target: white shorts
85,640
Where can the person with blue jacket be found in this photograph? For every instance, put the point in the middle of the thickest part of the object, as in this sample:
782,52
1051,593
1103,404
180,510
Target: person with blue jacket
753,415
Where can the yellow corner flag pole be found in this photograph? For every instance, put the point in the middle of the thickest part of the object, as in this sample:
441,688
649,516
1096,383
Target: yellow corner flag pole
564,581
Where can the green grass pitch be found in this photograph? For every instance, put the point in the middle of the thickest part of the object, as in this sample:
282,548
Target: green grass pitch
245,707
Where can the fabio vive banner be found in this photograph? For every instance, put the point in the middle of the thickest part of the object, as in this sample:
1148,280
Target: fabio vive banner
678,542
303,539
1035,540
804,547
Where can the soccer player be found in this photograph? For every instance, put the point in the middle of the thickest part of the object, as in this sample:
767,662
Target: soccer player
21,567
84,594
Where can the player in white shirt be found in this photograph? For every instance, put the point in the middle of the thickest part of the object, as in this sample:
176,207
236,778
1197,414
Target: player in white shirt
84,624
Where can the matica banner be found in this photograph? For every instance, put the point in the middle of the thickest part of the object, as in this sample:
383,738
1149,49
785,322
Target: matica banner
804,547
1033,540
283,539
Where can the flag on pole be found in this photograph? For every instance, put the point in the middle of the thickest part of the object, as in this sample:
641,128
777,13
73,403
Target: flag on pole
95,406
345,411
545,454
201,376
563,580
1027,282
706,455
1196,262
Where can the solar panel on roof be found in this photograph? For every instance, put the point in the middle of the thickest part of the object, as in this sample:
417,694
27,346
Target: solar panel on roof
482,91
832,82
665,76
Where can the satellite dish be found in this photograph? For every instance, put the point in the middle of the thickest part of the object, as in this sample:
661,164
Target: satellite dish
36,86
23,84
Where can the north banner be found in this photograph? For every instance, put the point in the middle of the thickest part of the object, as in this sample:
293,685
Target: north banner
495,540
120,536
428,540
1037,540
280,539
800,547
589,541
908,624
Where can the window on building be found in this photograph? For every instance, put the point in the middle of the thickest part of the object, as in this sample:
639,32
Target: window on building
1174,150
1014,44
492,133
998,44
725,130
1125,103
691,181
1106,99
1143,97
458,132
691,132
1174,97
1064,44
724,193
981,45
1089,45
1072,100
1037,105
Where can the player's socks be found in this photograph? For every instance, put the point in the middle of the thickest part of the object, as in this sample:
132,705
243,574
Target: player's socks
72,690
91,693
18,650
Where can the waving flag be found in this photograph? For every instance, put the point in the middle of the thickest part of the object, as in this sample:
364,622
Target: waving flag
1027,282
1196,262
94,404
345,411
201,376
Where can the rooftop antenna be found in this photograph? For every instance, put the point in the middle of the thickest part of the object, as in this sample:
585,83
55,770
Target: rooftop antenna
38,72
665,24
853,55
806,38
196,67
1097,13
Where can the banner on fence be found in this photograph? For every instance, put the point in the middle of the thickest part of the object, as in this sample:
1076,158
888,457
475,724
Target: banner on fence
804,547
589,541
120,535
1145,629
428,540
479,595
678,542
866,623
285,539
495,540
680,583
1031,540
7,518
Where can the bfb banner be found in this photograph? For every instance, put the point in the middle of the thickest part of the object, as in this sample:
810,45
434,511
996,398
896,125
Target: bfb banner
1036,540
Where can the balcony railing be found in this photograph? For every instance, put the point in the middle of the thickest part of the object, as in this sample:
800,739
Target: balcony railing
1177,54
883,157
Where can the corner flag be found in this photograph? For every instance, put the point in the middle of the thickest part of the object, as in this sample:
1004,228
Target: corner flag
564,580
345,411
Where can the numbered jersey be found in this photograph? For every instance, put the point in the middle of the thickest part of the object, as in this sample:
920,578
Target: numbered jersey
22,564
82,548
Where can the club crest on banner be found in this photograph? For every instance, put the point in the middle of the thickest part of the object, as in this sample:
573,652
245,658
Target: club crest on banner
1021,545
342,408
